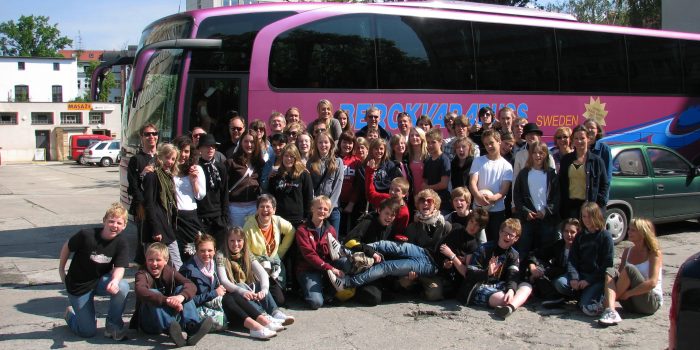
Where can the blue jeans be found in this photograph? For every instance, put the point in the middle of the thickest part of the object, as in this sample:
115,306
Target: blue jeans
238,211
334,220
83,322
535,234
156,319
588,295
400,259
311,284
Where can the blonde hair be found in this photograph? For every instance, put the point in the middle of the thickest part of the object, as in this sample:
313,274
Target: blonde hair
513,224
298,168
165,150
315,158
467,142
434,135
321,199
461,192
647,229
594,213
375,144
403,184
429,193
424,144
537,146
116,210
246,260
158,248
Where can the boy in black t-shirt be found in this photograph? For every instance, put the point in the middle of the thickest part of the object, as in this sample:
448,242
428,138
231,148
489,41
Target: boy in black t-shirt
100,256
436,169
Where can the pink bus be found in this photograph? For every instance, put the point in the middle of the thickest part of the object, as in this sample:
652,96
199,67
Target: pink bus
422,58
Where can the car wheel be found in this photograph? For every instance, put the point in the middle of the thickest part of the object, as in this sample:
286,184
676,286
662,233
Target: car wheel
616,224
106,161
81,160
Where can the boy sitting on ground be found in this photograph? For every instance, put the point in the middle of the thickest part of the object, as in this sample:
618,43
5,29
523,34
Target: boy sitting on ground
493,272
398,190
164,300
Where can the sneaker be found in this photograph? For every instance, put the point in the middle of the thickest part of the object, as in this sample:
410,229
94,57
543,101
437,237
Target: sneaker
284,319
337,282
504,311
204,327
553,303
610,317
333,247
114,332
593,309
274,326
264,334
175,332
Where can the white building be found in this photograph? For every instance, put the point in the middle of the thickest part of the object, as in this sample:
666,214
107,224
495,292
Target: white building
26,128
38,79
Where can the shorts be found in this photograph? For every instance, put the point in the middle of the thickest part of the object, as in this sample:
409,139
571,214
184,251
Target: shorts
483,292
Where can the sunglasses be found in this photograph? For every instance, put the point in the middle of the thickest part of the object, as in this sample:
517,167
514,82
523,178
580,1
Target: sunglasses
293,133
198,135
374,116
262,128
426,200
237,128
150,133
562,137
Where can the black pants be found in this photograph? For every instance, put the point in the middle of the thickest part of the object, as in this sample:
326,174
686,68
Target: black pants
496,218
237,309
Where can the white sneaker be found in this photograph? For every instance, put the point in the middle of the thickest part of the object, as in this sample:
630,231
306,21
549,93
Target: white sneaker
274,326
286,320
264,333
333,247
337,282
610,317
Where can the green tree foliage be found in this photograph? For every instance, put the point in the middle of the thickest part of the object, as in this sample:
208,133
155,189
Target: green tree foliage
108,83
519,3
31,36
635,13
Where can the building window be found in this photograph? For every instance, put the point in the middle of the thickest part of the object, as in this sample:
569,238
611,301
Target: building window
20,65
57,93
56,66
78,84
97,118
21,93
71,118
42,118
117,99
8,118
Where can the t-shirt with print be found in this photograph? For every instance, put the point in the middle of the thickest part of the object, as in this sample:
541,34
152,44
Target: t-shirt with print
93,257
433,171
492,174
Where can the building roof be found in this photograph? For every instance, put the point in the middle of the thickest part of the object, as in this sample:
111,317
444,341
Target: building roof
85,55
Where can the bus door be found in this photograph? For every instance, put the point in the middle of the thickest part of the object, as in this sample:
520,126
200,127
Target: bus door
213,100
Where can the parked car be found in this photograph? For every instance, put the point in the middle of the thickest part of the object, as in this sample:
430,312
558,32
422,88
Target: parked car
78,144
652,181
685,306
104,153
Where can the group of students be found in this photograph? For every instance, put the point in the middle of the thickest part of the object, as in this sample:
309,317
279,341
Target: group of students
336,215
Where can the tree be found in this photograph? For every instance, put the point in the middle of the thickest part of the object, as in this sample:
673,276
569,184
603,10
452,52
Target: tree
31,36
519,3
635,13
108,83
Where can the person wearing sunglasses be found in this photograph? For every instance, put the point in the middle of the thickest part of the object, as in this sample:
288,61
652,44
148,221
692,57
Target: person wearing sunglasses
141,163
562,144
372,117
486,122
197,133
236,129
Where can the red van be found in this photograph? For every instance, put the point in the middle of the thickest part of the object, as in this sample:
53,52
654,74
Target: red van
78,143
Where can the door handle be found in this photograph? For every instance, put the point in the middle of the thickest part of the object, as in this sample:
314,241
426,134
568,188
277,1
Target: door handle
660,187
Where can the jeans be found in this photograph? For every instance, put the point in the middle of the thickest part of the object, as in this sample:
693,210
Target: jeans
83,322
157,319
238,211
535,234
334,219
588,295
400,259
311,284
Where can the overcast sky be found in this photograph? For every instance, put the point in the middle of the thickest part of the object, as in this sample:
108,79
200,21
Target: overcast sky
102,24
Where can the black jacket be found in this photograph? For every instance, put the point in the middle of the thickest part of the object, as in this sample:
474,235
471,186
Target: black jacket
596,179
590,255
478,268
157,220
523,199
215,203
133,175
550,258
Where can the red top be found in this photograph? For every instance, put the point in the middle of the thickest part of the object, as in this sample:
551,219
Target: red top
376,198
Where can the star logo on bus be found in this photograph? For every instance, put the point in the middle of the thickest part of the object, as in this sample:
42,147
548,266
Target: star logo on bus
595,111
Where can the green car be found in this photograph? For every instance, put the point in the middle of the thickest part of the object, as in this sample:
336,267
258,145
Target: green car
651,181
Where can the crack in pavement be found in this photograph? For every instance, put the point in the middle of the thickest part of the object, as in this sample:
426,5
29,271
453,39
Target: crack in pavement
40,206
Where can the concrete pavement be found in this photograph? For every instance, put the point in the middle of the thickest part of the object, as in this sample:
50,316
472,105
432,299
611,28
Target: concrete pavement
41,205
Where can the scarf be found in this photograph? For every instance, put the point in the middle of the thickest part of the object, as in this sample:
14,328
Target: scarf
211,174
430,219
234,270
206,269
167,191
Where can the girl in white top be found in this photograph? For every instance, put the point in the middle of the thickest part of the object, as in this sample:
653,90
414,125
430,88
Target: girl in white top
190,187
636,284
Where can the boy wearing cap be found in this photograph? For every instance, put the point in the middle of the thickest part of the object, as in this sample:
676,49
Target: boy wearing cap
213,207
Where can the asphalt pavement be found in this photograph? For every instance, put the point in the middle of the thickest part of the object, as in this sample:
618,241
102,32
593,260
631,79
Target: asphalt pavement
43,204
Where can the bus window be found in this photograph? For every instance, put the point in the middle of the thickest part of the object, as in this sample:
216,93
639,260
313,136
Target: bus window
237,33
329,54
591,61
424,53
156,100
691,66
214,99
654,65
516,58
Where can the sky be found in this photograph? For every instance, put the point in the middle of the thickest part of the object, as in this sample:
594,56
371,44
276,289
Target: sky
101,24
